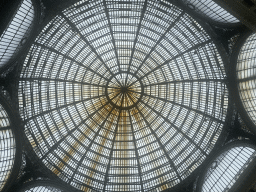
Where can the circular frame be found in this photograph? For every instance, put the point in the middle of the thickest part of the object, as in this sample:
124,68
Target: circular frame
223,135
128,107
15,127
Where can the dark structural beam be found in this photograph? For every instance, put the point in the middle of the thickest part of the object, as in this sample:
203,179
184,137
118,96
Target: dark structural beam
161,145
137,35
70,132
159,40
111,33
186,107
89,146
136,152
177,129
69,58
73,26
111,152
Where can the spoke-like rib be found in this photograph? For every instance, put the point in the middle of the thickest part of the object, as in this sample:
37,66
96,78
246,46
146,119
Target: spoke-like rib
90,145
70,132
111,32
177,129
173,58
136,38
73,26
186,107
136,153
63,106
111,153
69,58
187,81
159,40
5,128
161,145
59,80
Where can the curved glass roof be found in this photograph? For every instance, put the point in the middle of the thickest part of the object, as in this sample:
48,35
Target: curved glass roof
42,189
212,10
42,186
123,95
245,72
14,36
7,148
227,168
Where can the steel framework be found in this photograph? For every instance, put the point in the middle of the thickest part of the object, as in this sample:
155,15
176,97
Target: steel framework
123,96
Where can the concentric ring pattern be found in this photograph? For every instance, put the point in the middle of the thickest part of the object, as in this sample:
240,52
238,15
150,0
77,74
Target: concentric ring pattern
245,71
123,95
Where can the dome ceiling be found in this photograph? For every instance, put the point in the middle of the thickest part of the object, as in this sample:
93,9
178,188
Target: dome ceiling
123,95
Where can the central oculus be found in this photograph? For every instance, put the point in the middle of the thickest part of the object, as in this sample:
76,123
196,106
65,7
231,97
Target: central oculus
124,90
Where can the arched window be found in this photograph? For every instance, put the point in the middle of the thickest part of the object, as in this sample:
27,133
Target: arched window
227,167
211,10
15,35
43,186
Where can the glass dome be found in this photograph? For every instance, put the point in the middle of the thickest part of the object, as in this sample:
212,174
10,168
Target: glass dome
123,95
